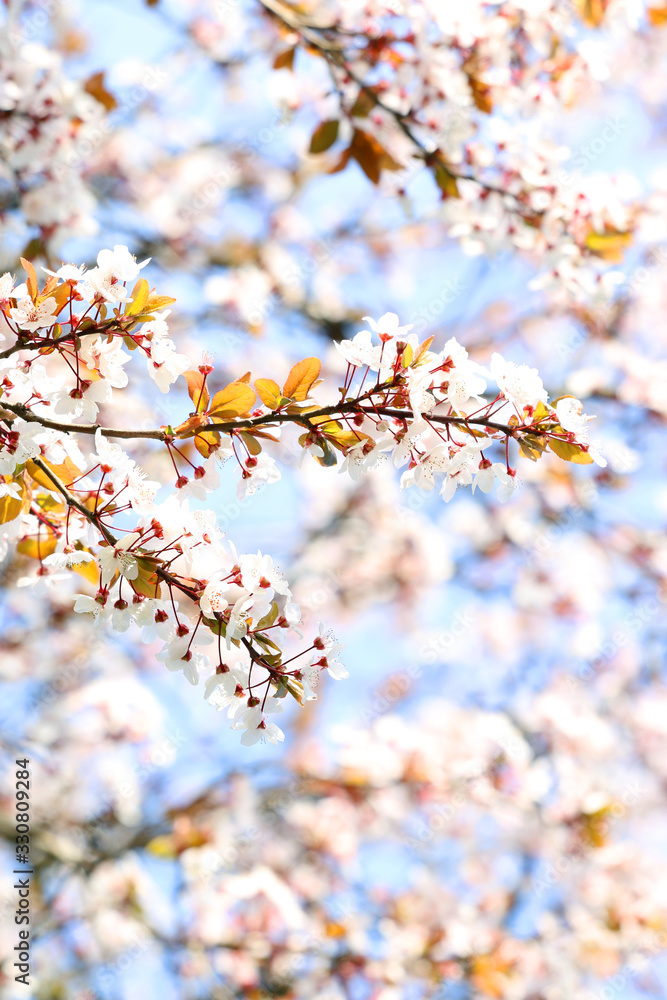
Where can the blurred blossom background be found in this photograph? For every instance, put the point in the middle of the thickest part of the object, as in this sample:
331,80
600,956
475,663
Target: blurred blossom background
479,810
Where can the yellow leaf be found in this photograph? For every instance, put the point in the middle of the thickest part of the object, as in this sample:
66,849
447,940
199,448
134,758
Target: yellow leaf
334,930
489,975
206,442
609,245
297,408
157,302
37,546
570,452
591,11
269,392
347,439
657,16
32,278
407,356
300,379
532,445
423,347
11,507
232,401
66,472
140,294
146,582
162,847
197,390
47,502
541,411
89,374
89,571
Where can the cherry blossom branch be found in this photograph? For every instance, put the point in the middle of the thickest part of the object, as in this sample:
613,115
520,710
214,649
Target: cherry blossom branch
229,426
20,410
72,501
238,598
334,54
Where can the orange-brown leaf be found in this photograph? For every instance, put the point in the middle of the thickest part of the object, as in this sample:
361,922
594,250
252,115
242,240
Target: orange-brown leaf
190,426
300,379
371,156
94,86
197,390
285,59
232,401
32,278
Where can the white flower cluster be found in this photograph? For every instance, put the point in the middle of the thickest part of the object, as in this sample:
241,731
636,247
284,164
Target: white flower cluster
77,391
243,593
448,384
51,124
